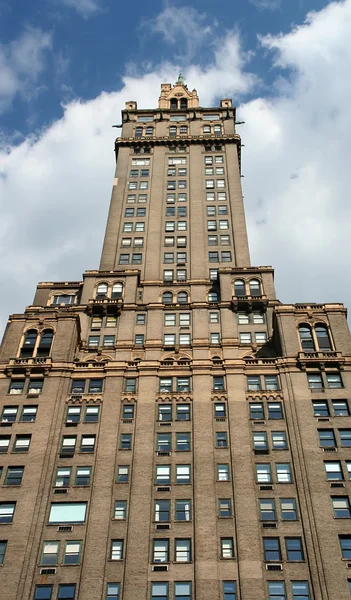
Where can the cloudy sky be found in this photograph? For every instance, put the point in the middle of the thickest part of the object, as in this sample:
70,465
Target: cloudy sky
68,66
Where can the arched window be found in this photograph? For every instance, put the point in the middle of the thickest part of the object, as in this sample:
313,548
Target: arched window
149,131
213,296
183,103
323,339
138,132
182,298
255,287
101,291
117,291
45,343
239,287
29,343
174,103
306,338
173,131
167,297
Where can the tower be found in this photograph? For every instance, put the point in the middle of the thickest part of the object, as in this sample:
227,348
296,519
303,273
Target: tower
169,429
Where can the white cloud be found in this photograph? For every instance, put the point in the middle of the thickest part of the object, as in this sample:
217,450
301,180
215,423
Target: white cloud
266,4
21,62
85,8
54,190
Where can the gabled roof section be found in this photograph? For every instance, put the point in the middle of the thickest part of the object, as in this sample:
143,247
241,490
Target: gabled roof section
177,92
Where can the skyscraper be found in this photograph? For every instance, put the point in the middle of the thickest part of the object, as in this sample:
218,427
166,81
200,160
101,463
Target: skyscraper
169,429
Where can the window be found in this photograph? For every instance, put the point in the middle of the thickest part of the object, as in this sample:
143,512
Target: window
213,277
63,476
130,384
320,408
165,412
126,441
14,475
4,442
258,318
294,550
229,590
139,339
271,548
183,474
224,241
219,410
183,510
122,473
49,554
283,473
7,511
245,338
95,386
333,470
68,445
263,473
314,381
183,384
163,443
71,554
22,443
326,438
213,256
271,382
322,335
222,472
306,339
163,474
16,386
182,590
253,383
35,386
3,544
256,411
183,412
67,512
116,550
182,549
215,338
136,259
162,510
160,552
78,386
63,299
279,441
275,410
348,467
334,380
120,511
112,591
260,441
276,590
9,414
209,184
345,438
29,343
239,288
184,339
218,383
43,592
260,337
182,442
341,507
66,591
182,298
345,543
91,414
267,509
288,509
169,339
225,507
227,548
96,320
214,317
221,439
108,341
83,476
340,408
167,298
165,385
73,414
159,591
184,319
300,590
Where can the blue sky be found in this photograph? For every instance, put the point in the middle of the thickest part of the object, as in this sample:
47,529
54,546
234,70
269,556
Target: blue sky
68,66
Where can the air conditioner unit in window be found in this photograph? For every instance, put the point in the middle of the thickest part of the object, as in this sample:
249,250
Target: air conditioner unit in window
51,571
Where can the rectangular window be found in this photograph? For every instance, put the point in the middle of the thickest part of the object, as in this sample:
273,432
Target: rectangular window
95,386
340,408
63,476
163,474
182,549
87,443
214,317
116,550
91,414
184,319
112,591
137,259
345,544
182,442
333,470
220,183
260,440
222,472
227,548
215,338
130,384
16,386
71,554
182,590
183,474
267,509
271,547
139,339
49,554
218,383
345,438
183,510
29,414
224,507
279,441
314,381
300,590
283,473
139,226
334,380
3,545
160,552
220,411
229,590
256,411
294,550
263,473
83,476
159,591
245,338
73,414
122,473
9,414
162,510
120,510
184,339
341,507
221,439
320,408
326,438
67,512
275,410
243,318
22,443
276,590
288,509
163,443
4,443
111,321
43,592
168,258
169,339
169,319
165,412
260,337
126,441
183,412
253,383
14,475
35,386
